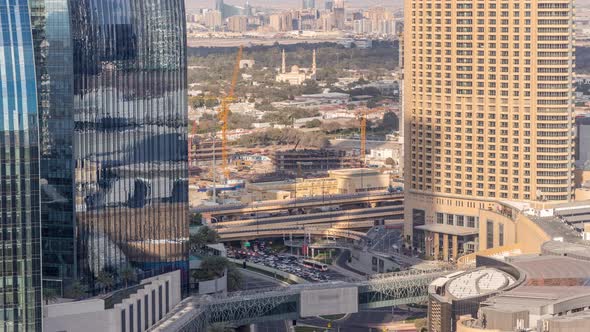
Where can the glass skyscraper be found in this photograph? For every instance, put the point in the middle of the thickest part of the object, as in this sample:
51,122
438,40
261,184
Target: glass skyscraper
20,257
112,86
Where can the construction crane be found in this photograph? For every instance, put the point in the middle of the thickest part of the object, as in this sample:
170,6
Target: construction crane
362,115
224,113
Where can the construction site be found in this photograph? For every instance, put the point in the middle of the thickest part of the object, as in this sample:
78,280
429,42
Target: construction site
222,172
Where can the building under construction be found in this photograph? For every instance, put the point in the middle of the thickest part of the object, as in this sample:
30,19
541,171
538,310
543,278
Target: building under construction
305,161
203,151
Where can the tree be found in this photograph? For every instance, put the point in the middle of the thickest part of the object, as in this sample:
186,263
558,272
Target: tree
128,275
196,219
390,162
75,291
311,87
212,267
315,123
371,103
204,236
234,278
215,265
50,295
106,280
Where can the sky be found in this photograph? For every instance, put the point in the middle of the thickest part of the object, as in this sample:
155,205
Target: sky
192,4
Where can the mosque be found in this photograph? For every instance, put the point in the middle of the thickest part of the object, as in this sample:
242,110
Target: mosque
297,75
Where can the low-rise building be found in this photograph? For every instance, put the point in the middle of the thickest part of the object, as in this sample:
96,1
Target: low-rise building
345,181
135,308
308,160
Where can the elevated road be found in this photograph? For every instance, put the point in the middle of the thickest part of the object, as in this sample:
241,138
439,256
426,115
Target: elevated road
243,308
300,203
348,219
297,231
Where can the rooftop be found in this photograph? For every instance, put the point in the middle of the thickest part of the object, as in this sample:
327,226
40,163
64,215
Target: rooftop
532,298
579,251
448,229
479,282
355,171
543,268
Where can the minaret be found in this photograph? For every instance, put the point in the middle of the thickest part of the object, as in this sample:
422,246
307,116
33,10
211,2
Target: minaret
284,68
314,66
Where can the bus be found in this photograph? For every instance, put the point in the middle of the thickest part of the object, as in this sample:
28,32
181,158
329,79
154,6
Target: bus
315,265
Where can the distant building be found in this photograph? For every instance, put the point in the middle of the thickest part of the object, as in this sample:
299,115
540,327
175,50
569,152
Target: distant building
307,20
297,75
583,142
314,160
230,10
343,181
247,64
339,14
363,26
308,4
281,22
327,22
213,19
329,5
339,18
237,23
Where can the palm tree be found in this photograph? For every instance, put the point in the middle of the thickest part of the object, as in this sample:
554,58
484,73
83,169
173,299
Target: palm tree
50,295
128,275
76,291
106,280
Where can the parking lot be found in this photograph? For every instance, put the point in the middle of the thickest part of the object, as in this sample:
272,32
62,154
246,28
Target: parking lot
259,254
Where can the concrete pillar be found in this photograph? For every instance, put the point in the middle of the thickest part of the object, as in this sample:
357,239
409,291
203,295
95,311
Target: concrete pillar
429,240
312,252
445,247
436,246
455,247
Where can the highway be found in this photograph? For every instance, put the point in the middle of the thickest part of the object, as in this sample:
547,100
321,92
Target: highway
316,218
280,231
326,200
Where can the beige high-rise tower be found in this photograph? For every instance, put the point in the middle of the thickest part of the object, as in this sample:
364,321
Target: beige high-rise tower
488,113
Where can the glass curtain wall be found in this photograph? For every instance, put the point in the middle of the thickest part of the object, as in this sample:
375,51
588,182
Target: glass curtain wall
20,271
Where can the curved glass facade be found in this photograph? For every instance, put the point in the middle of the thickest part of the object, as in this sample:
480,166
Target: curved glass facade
130,144
20,257
113,133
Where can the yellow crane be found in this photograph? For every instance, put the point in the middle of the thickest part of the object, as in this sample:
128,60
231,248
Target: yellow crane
224,113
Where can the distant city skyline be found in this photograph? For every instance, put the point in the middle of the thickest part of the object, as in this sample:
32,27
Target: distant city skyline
295,4
195,4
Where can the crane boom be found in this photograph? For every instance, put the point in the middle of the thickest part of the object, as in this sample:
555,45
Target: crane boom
224,115
363,139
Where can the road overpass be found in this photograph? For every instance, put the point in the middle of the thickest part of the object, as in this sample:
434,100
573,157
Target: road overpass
280,231
195,314
347,219
228,212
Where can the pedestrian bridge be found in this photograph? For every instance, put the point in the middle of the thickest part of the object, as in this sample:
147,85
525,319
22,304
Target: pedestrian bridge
294,302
